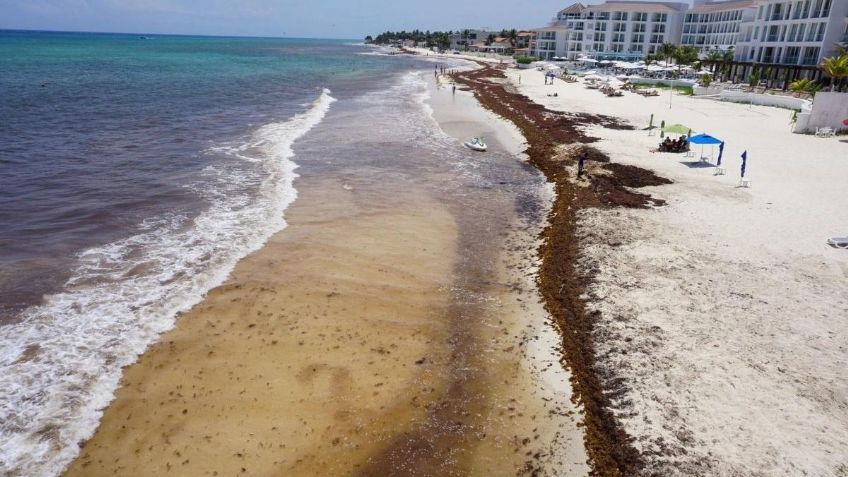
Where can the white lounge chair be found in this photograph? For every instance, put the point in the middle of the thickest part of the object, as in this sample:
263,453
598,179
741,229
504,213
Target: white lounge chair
824,132
838,242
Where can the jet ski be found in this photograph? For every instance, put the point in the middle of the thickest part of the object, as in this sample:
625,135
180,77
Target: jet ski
477,144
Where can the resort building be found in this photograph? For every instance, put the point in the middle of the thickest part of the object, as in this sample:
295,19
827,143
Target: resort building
780,32
615,29
462,40
796,32
548,42
715,25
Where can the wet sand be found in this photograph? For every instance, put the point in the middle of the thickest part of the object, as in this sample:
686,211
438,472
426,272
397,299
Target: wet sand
389,330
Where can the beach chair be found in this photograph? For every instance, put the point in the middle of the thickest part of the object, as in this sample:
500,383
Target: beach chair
824,132
719,171
838,242
745,182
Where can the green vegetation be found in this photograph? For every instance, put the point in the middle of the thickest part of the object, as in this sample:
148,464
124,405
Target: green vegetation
426,38
837,68
685,90
754,77
524,60
706,80
804,85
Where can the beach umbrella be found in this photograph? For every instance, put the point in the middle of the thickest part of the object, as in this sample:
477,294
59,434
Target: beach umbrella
704,140
662,129
744,162
845,121
676,129
720,152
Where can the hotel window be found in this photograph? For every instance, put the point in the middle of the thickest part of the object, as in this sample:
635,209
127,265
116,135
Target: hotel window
600,26
620,16
600,36
792,55
805,12
658,28
826,9
820,34
811,55
801,29
640,28
811,32
660,17
656,38
619,27
772,33
776,12
640,17
637,38
598,47
618,37
817,9
603,16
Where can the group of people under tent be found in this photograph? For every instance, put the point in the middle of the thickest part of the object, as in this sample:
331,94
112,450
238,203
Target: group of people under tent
680,144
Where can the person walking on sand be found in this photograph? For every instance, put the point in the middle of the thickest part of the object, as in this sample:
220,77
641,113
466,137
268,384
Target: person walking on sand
454,90
581,161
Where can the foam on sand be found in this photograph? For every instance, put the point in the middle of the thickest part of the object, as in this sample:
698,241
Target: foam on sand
60,365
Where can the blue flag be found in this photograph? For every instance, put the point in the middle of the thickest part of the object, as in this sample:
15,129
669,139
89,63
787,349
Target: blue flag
744,160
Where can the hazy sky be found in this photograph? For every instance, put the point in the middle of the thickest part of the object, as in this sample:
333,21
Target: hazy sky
293,18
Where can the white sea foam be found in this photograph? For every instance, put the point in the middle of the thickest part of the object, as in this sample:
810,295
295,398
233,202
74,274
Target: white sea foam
60,366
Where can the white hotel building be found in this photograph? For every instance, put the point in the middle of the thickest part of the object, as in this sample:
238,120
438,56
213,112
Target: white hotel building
715,25
782,32
796,32
612,29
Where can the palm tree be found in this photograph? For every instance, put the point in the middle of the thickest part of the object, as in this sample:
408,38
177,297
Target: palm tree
837,68
667,51
649,59
685,55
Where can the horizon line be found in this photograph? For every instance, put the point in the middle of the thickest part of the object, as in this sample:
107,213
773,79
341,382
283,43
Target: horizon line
203,35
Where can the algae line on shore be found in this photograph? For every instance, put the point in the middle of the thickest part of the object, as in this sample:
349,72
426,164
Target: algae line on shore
608,446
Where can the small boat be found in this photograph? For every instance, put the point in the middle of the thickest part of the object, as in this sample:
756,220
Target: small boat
477,144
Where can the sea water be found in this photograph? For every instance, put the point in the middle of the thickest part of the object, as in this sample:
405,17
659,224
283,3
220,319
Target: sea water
135,171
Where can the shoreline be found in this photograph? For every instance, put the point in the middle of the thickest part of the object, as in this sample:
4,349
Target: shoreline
360,335
608,446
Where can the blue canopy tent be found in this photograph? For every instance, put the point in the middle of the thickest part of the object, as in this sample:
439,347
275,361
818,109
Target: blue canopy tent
704,140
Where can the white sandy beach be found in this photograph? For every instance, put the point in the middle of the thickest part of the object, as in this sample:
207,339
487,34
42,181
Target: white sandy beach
725,311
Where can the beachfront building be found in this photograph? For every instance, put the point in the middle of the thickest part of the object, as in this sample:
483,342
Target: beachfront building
615,29
548,42
784,40
463,40
796,32
715,25
523,41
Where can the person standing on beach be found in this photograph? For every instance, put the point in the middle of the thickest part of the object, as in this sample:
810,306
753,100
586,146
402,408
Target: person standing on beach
581,162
